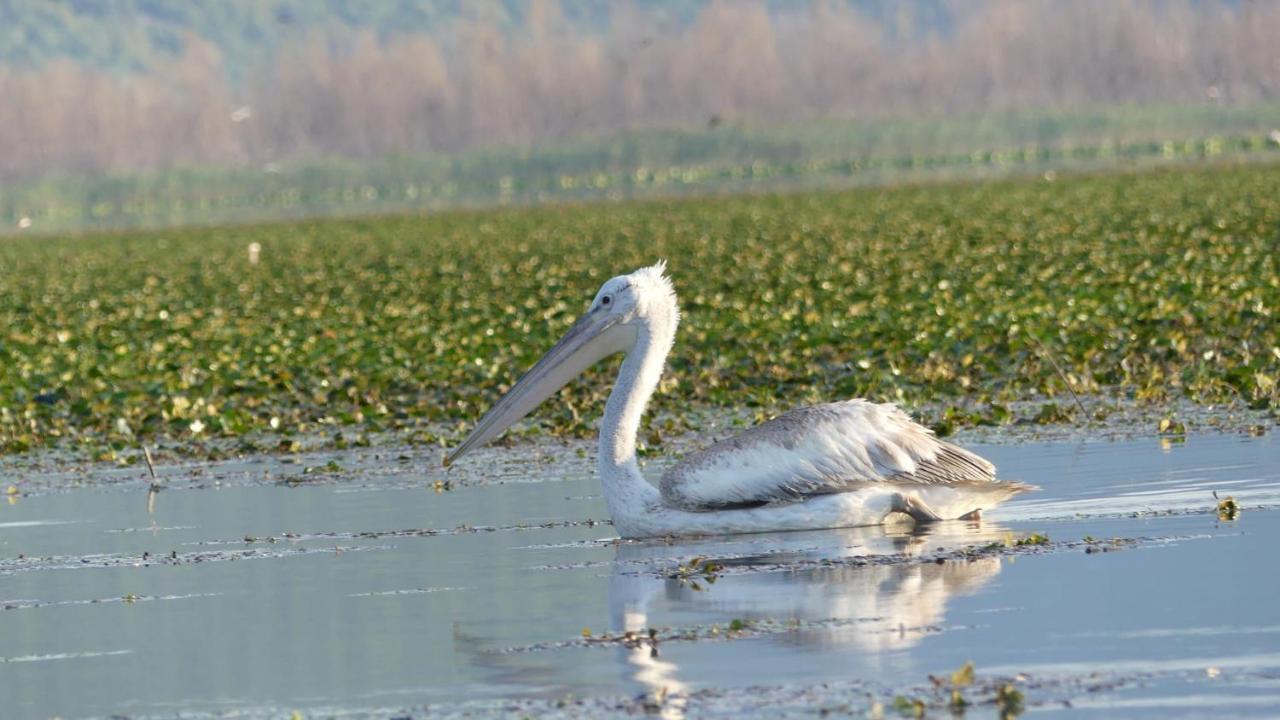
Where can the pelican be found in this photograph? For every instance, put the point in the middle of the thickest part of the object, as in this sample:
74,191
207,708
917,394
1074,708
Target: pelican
842,464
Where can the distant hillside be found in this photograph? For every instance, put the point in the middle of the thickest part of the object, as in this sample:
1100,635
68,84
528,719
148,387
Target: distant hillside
135,35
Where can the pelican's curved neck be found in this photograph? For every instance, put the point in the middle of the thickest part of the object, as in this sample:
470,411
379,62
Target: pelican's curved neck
637,380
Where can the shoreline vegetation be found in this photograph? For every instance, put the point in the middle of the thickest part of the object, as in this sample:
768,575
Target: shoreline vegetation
656,164
1154,287
134,87
135,114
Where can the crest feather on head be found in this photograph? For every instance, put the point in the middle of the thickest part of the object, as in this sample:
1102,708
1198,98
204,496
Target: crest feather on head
656,277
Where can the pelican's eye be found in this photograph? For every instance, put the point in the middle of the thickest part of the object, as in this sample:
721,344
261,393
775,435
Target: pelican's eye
606,300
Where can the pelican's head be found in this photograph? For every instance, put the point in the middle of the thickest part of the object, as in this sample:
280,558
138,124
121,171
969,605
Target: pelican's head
625,307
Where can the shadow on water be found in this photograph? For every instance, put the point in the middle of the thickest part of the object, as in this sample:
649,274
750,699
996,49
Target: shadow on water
262,599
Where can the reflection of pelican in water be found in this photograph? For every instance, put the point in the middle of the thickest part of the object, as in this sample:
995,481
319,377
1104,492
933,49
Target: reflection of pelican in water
835,465
872,608
657,675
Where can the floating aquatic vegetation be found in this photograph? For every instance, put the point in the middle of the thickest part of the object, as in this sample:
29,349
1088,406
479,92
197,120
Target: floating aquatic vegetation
24,563
1009,701
737,629
698,568
332,467
406,532
128,599
1228,508
1152,286
909,707
960,679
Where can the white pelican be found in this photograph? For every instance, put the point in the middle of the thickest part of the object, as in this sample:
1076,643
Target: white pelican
841,464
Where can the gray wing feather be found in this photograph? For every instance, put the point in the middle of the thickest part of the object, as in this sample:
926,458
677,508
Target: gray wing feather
829,448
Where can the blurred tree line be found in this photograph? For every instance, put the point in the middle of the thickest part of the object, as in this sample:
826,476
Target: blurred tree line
223,84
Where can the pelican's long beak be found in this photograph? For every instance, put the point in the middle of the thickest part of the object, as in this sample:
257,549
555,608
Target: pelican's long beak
594,337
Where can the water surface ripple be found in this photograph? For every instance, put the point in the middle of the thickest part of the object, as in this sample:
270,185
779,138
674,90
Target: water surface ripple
257,600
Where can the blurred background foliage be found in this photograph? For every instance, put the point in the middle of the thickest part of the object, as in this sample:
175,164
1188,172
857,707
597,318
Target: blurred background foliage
151,112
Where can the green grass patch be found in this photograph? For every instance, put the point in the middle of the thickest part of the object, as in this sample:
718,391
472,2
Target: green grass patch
1148,285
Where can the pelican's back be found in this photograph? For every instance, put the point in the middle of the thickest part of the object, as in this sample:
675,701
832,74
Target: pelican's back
830,448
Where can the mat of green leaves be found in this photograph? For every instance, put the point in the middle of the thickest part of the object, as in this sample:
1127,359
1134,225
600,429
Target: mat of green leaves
1150,285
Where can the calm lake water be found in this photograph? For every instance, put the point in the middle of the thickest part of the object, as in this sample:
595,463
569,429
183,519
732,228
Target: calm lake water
367,599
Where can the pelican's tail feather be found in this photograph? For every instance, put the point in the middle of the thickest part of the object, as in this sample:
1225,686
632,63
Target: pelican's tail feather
963,499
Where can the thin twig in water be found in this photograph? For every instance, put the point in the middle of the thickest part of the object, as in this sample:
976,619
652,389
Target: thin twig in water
151,468
1044,353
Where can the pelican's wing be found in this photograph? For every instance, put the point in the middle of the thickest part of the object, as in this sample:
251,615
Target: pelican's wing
821,449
